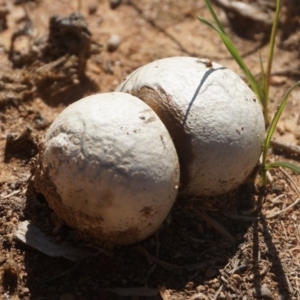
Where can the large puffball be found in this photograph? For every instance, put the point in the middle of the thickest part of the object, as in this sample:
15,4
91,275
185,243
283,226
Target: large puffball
109,168
214,118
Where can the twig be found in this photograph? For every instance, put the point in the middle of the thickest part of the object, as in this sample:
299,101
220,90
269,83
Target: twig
161,29
213,223
248,211
198,296
290,148
275,200
291,181
245,10
218,292
296,189
276,214
235,265
243,218
269,177
238,269
50,66
163,264
11,194
290,71
228,285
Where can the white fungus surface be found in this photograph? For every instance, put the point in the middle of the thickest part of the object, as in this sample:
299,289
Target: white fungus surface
214,118
113,167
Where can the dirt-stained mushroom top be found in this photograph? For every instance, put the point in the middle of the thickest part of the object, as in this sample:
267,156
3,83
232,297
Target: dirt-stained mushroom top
109,168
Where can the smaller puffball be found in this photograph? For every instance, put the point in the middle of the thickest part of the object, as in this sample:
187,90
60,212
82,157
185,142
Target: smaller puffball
109,168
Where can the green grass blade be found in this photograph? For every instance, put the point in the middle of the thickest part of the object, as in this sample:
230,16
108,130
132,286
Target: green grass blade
210,24
275,120
263,73
283,164
264,101
271,50
235,54
213,14
270,133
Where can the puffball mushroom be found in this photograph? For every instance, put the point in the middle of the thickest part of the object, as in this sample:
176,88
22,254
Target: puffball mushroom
214,118
109,168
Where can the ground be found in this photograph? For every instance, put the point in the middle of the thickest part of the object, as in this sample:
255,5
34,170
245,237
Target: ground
243,245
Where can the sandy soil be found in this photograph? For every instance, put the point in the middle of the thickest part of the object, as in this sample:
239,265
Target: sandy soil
243,245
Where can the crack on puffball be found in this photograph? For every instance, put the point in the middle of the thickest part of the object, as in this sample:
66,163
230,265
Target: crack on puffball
204,78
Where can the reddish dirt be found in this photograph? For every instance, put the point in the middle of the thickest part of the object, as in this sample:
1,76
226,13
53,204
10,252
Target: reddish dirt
225,247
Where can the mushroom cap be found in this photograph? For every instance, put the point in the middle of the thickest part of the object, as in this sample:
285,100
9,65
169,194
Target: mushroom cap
214,118
109,168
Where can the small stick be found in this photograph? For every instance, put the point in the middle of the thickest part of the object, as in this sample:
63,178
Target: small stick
287,71
238,269
276,214
292,182
296,189
160,28
213,223
218,292
269,177
243,218
198,296
163,264
50,66
11,194
290,148
278,197
244,10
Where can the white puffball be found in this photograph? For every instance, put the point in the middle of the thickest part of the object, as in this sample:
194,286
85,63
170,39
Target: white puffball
109,168
214,118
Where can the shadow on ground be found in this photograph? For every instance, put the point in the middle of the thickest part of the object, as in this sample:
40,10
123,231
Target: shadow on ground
187,252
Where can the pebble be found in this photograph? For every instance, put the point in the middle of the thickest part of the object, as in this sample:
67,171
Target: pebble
113,43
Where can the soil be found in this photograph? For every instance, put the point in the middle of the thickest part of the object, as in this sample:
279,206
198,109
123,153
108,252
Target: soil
242,245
